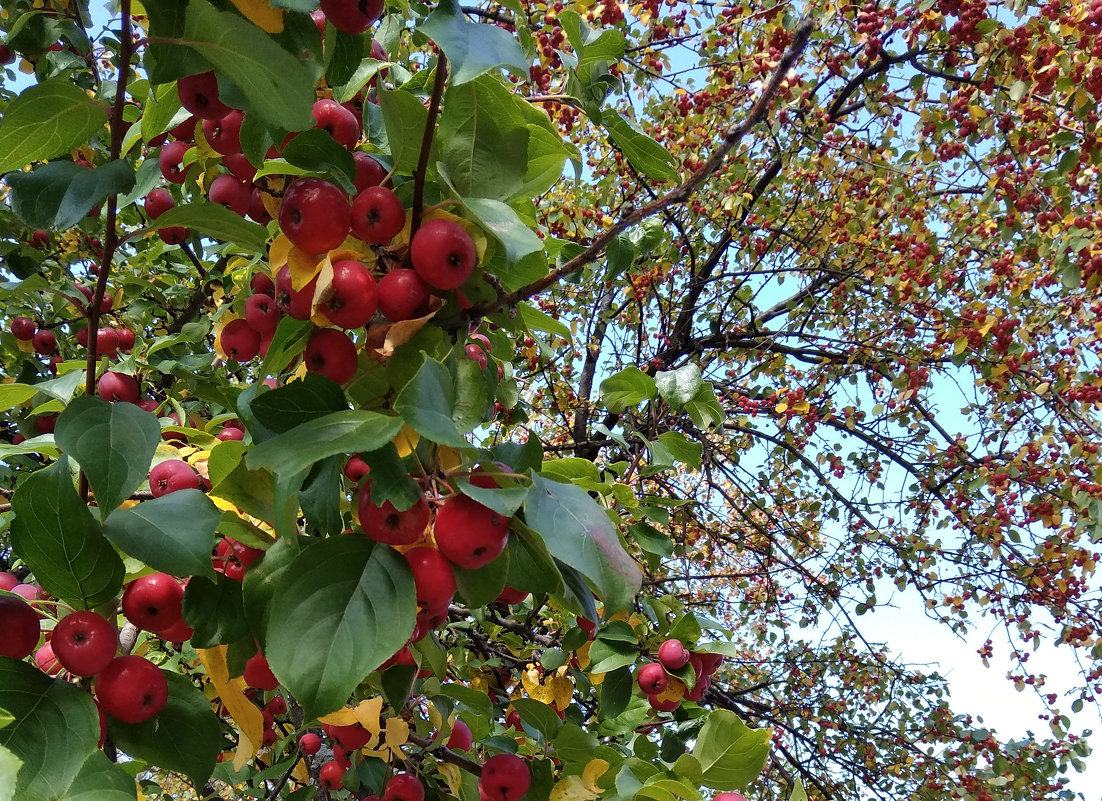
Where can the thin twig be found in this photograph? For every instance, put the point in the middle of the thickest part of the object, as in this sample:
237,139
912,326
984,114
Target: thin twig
426,143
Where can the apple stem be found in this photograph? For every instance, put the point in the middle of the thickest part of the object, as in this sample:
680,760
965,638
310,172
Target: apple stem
426,143
111,235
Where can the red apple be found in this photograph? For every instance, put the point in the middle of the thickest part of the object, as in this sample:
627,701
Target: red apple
368,171
262,284
404,787
352,297
443,253
353,16
505,777
403,295
315,215
332,354
340,123
131,689
469,534
118,387
19,627
171,161
262,313
331,775
652,679
172,475
227,190
24,328
44,342
377,215
386,524
294,303
258,674
199,95
157,202
238,340
309,743
224,134
673,655
461,738
47,660
154,602
433,578
240,167
84,642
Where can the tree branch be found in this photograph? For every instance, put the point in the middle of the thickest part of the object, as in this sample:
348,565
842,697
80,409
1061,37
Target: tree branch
426,144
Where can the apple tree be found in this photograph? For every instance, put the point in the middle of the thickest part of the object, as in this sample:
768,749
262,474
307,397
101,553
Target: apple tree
523,401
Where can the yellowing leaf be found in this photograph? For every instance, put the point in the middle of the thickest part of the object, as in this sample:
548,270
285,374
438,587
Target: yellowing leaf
452,776
594,770
562,688
247,716
406,441
781,408
261,14
397,733
572,788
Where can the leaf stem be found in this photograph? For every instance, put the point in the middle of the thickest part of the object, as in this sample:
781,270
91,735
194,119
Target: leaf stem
426,143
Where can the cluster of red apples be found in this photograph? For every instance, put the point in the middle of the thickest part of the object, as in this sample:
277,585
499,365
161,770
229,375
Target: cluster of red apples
128,688
654,678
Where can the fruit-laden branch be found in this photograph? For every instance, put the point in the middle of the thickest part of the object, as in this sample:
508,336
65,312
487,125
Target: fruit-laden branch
680,194
446,754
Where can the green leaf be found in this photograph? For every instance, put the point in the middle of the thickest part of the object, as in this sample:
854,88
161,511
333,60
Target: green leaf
591,46
629,387
704,409
9,768
12,395
174,533
275,85
578,532
730,753
505,225
390,479
60,540
484,152
321,496
47,120
428,404
265,577
469,697
298,402
472,48
615,693
531,568
574,744
215,610
56,728
606,656
504,501
294,451
217,222
539,716
60,194
184,736
678,387
651,539
114,444
162,107
480,587
99,779
317,151
646,155
683,449
405,118
344,607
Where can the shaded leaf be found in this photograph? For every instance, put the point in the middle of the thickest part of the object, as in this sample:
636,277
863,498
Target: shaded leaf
174,533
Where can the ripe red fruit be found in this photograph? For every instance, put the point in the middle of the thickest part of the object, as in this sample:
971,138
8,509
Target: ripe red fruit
174,234
673,655
185,130
39,239
23,328
278,705
84,643
262,284
157,202
433,578
698,690
331,775
350,737
709,663
309,743
171,160
227,190
377,215
505,777
652,679
332,354
351,298
461,737
44,342
238,340
47,660
368,171
469,534
386,524
154,602
355,469
7,580
126,339
443,253
107,342
315,215
224,134
240,167
257,210
172,475
511,596
118,387
19,627
658,705
258,674
476,354
297,303
181,632
404,787
261,313
199,95
131,689
340,123
403,295
729,797
352,16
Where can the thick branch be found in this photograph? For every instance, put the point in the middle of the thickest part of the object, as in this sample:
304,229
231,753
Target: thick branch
426,143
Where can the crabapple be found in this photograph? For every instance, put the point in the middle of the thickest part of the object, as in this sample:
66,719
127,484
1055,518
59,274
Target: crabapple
315,215
154,602
386,524
332,354
505,777
402,294
19,627
443,253
199,95
131,689
84,643
470,534
172,475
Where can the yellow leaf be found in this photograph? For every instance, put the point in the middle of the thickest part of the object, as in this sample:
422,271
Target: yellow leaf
960,346
261,14
562,689
397,733
448,458
583,656
406,441
452,776
345,716
781,408
572,788
593,771
530,678
245,713
803,407
368,712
